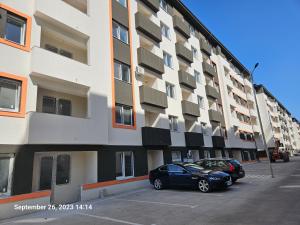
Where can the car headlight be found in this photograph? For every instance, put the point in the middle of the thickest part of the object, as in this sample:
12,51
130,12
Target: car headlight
214,178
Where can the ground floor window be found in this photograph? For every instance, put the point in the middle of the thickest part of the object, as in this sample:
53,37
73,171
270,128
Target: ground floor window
176,156
206,154
124,165
6,166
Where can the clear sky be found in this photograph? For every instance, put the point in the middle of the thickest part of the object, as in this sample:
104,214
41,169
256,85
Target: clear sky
264,31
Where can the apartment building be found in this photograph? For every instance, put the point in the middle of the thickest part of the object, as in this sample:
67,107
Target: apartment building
94,91
277,121
296,128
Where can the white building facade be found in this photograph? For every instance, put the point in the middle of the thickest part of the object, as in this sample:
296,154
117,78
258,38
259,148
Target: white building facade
95,91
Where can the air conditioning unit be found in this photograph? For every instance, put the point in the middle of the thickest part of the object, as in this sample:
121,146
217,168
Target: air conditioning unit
139,70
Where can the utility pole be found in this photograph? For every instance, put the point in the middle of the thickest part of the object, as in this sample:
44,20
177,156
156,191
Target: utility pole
260,121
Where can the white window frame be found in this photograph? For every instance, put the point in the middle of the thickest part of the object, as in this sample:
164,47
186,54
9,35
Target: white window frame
123,177
119,28
173,123
164,5
22,23
197,76
122,115
120,75
165,30
176,153
201,103
168,59
122,3
195,52
18,84
10,174
170,90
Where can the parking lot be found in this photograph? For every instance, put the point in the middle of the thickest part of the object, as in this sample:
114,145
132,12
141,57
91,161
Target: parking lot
255,199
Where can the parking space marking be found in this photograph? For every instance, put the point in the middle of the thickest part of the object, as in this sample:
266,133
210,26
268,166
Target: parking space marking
295,175
290,186
109,219
160,203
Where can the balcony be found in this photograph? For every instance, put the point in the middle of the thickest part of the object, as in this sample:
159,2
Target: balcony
123,93
49,64
67,15
156,137
120,13
190,108
194,140
150,61
152,4
147,27
184,53
187,79
212,92
181,26
218,141
215,115
207,68
204,46
153,97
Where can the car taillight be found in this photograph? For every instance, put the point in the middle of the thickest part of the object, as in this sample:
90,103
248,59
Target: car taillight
231,167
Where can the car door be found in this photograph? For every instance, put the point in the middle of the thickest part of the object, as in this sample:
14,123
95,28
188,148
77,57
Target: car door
178,176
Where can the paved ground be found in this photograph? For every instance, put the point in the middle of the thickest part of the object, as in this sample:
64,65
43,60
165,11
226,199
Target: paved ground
254,200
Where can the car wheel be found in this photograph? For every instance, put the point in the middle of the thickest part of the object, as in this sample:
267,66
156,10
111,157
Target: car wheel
158,184
204,186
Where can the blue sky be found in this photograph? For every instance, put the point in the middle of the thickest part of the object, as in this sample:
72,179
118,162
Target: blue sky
264,31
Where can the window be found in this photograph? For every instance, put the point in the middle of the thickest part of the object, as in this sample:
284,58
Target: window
176,156
195,52
122,71
6,166
170,89
201,102
165,30
63,169
124,165
120,32
197,76
10,91
163,4
168,61
123,2
192,30
206,154
59,51
124,115
175,168
45,180
242,136
15,29
204,128
56,106
173,123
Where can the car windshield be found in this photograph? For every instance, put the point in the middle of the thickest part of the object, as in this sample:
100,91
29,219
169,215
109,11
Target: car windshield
193,167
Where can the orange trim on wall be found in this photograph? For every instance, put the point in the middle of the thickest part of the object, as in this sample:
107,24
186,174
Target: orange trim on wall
113,182
25,47
23,95
19,198
114,124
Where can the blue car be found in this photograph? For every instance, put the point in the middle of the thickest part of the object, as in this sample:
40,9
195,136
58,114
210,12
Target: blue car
188,175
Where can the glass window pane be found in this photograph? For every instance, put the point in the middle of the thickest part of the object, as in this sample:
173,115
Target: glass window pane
119,164
124,35
46,173
9,94
4,173
64,107
115,30
63,169
49,105
128,164
117,70
176,156
14,30
128,116
122,2
118,114
125,73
